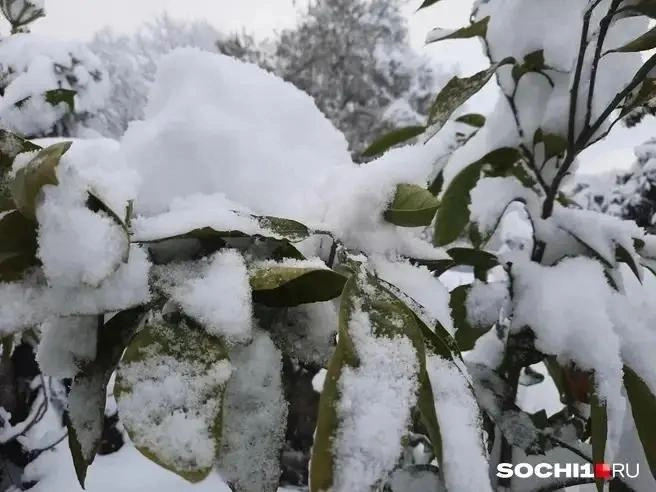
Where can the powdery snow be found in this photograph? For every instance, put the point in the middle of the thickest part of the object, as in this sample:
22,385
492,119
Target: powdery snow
374,406
466,468
485,302
220,298
65,344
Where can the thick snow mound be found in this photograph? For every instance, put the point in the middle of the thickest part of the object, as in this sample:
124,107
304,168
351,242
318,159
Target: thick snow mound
214,124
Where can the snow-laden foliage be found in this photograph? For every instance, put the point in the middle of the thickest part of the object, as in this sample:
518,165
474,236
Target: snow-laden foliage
629,195
47,87
226,259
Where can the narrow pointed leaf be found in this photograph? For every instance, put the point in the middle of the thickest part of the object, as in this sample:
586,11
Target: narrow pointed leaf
643,43
393,138
599,433
476,29
472,119
643,408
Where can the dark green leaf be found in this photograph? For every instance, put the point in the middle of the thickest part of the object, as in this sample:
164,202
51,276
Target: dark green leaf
625,256
392,139
554,145
427,3
466,334
472,119
645,94
18,245
96,205
413,206
473,257
90,386
284,228
599,432
66,96
643,408
281,286
29,180
453,211
533,62
438,267
456,92
476,29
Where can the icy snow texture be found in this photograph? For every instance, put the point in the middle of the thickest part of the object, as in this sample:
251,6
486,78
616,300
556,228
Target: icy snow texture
465,465
40,64
374,406
65,344
171,407
220,298
255,413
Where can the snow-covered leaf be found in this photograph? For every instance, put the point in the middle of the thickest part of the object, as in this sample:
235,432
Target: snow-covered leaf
466,334
393,138
453,211
645,93
412,206
643,408
96,205
18,245
86,400
476,29
643,43
533,62
456,92
54,97
477,258
169,388
625,256
29,180
643,7
599,433
278,285
376,367
10,146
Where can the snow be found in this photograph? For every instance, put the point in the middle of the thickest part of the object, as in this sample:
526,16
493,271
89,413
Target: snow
374,406
220,298
28,303
484,303
549,300
255,415
65,344
465,465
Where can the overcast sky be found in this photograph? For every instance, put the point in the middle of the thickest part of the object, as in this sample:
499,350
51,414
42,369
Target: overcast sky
68,19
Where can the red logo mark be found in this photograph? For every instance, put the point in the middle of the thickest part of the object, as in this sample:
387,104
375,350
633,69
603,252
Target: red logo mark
602,470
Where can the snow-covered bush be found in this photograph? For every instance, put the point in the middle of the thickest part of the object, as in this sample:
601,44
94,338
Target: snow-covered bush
47,87
630,195
227,249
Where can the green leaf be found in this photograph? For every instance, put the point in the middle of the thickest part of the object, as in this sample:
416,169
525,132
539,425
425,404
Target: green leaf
645,94
643,43
456,92
282,286
389,318
427,3
554,145
192,358
472,119
533,62
413,206
29,180
643,408
645,7
392,139
474,30
66,96
96,205
476,258
453,211
284,228
625,256
599,433
466,334
89,388
10,146
18,245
